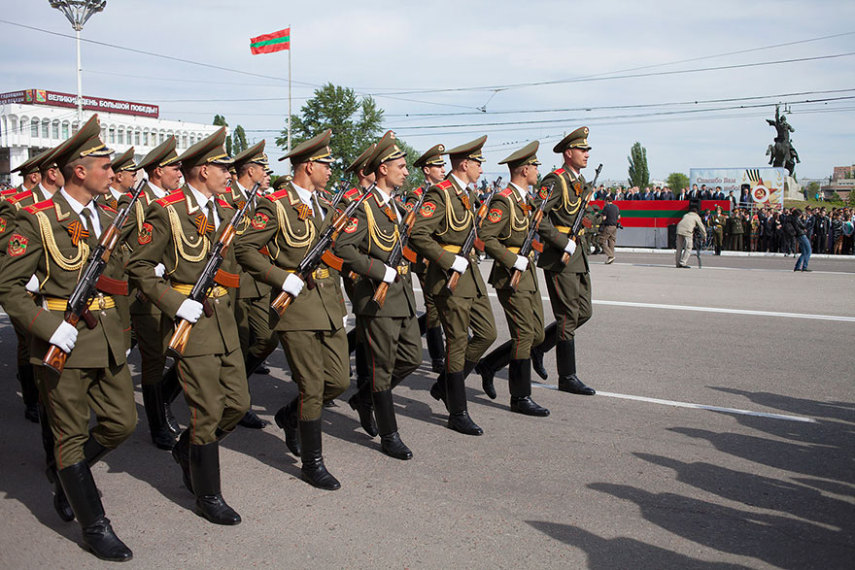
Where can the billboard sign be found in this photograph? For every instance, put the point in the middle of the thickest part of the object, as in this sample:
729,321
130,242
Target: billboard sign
766,183
57,99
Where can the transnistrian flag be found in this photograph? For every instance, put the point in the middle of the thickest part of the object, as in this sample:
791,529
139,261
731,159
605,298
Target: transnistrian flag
269,43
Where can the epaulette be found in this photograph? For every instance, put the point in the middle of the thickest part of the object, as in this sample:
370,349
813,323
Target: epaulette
277,195
44,205
419,191
175,198
19,196
224,204
9,192
108,208
445,184
351,193
560,171
505,193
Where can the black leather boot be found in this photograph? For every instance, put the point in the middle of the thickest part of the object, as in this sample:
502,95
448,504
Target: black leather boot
60,502
550,337
205,474
29,392
155,411
361,402
436,348
251,420
170,389
98,535
519,382
93,451
458,416
565,353
288,419
314,471
387,425
492,363
251,365
437,389
422,323
181,455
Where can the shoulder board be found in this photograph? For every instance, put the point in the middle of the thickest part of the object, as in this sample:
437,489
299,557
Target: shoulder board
559,171
175,198
505,193
107,208
277,195
419,191
9,191
224,204
445,184
351,193
45,205
324,201
20,196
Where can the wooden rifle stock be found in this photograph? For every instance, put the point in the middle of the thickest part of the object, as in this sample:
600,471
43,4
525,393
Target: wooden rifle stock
574,232
528,244
466,249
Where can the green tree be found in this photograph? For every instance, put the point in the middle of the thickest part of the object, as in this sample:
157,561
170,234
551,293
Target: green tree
220,121
676,181
238,140
639,175
355,122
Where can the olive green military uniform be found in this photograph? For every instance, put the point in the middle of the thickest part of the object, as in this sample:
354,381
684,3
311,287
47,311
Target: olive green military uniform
591,227
718,223
737,230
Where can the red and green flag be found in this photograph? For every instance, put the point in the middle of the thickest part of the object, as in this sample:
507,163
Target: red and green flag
658,213
269,43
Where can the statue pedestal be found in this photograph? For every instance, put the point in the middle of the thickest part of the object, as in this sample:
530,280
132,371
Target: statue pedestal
792,189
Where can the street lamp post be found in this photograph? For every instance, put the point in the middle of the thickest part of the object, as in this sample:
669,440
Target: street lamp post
78,13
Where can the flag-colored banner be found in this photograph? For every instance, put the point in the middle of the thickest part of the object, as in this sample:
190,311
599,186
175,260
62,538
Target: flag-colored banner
269,43
657,213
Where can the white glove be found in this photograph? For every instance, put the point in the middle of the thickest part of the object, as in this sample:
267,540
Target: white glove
344,321
293,285
390,275
189,310
159,269
459,264
64,337
571,247
521,263
32,285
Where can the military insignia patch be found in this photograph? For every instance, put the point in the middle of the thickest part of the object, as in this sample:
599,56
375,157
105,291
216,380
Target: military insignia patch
427,209
2,225
240,204
145,234
495,215
17,245
408,206
303,211
77,232
587,223
259,221
544,193
351,226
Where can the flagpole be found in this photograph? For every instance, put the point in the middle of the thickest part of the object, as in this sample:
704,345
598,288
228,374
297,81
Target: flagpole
289,88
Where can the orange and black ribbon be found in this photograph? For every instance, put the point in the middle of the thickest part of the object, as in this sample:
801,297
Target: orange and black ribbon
466,203
77,232
303,212
390,214
203,226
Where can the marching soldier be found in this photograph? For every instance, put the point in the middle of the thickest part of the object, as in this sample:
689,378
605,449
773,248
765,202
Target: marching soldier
503,232
52,240
569,285
391,332
718,222
285,227
433,168
179,232
151,330
442,226
252,309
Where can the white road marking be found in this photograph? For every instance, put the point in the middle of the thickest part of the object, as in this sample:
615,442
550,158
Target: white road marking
677,404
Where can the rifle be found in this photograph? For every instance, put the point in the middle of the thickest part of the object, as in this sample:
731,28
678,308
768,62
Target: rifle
467,246
206,281
526,247
78,303
319,252
577,223
339,195
399,249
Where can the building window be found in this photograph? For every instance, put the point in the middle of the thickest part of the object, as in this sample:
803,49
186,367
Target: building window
162,138
45,129
65,133
121,137
25,123
137,138
111,134
34,128
55,129
184,140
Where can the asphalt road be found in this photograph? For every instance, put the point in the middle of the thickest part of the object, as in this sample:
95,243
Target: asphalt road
721,437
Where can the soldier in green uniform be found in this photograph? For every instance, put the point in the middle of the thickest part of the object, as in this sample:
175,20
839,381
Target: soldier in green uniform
442,226
286,225
52,240
179,232
252,309
718,222
737,230
569,285
151,330
591,227
391,332
433,169
503,232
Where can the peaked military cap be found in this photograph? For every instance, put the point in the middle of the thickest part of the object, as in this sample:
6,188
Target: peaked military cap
33,164
86,142
384,151
162,155
209,150
252,155
125,162
316,149
525,155
576,139
282,181
470,150
359,163
433,157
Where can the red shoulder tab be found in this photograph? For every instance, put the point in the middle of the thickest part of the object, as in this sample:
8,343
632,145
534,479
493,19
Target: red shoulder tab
277,195
224,204
445,184
9,192
559,171
351,193
505,193
107,208
41,206
175,198
419,191
19,196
